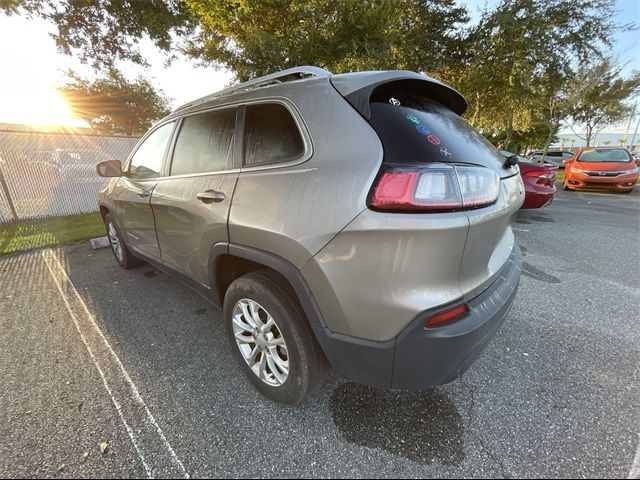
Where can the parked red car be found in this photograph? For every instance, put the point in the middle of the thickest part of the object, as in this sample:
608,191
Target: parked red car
601,168
539,181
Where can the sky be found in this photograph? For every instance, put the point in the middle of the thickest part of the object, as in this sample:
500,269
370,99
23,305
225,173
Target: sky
33,67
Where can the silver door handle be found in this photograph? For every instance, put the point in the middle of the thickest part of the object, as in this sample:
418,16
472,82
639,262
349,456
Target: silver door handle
211,196
144,193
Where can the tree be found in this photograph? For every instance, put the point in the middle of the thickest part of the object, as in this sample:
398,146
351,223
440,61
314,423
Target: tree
254,37
599,96
262,36
101,32
516,68
114,105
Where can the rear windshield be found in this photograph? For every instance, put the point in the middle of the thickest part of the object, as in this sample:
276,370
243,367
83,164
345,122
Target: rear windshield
605,155
416,129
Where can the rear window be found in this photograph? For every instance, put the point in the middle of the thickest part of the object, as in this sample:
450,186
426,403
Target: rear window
605,155
271,135
416,129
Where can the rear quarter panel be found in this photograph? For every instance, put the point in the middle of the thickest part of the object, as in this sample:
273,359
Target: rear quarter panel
293,211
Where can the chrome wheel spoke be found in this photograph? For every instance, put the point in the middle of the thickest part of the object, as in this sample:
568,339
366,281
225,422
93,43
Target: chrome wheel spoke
237,320
255,314
114,240
269,325
261,367
279,376
283,365
276,342
242,338
245,313
251,360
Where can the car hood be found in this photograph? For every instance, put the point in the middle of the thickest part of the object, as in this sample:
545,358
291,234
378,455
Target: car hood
604,166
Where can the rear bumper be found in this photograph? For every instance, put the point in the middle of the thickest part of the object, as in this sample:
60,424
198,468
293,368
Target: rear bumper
420,357
538,199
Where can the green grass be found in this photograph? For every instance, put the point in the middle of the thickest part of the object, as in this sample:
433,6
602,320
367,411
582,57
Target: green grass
25,235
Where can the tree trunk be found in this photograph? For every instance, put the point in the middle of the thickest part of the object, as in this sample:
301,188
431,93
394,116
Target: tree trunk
509,133
546,145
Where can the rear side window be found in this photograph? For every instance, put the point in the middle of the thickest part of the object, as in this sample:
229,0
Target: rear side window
204,142
416,129
271,135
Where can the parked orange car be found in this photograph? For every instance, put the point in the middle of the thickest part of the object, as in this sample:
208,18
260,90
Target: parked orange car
602,168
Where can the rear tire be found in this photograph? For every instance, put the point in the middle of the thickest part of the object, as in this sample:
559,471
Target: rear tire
120,251
284,361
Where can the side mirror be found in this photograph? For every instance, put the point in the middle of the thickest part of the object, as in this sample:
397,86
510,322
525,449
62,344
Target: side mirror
110,168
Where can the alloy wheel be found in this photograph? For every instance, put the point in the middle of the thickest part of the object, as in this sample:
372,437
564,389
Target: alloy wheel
260,342
114,240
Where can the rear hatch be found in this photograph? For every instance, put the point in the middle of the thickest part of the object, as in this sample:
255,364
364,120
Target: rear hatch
421,130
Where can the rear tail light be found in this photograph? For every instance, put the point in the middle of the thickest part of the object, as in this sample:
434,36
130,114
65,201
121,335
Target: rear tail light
538,173
435,188
544,177
446,316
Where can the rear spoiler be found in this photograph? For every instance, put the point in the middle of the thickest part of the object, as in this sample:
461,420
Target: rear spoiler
357,88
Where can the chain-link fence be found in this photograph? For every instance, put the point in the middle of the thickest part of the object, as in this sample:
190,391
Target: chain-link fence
53,174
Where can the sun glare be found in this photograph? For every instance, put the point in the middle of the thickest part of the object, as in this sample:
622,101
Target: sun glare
38,105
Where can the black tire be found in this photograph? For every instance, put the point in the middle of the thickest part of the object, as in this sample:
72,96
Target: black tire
307,364
128,260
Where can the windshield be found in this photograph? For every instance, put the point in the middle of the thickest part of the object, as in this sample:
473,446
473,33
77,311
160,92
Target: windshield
605,155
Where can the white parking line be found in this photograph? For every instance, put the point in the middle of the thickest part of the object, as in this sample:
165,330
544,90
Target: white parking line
151,445
635,468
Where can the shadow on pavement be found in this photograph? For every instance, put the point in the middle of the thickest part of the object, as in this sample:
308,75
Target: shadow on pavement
422,427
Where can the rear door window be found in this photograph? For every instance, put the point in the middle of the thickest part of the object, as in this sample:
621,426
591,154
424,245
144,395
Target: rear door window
204,142
271,135
416,129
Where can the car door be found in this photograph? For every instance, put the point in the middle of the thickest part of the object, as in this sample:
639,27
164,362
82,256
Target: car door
191,205
132,195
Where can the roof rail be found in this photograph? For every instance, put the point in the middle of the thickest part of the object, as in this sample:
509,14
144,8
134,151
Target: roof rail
288,75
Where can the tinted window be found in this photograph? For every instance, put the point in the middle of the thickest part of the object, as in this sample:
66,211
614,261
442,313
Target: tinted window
204,142
415,129
147,161
271,135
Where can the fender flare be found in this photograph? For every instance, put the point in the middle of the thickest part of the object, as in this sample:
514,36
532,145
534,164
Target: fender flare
285,268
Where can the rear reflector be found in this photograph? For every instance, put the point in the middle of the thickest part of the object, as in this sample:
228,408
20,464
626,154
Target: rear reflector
435,188
446,316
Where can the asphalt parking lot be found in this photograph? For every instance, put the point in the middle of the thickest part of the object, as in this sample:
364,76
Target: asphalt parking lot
90,353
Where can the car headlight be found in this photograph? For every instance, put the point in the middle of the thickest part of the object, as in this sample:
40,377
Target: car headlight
632,170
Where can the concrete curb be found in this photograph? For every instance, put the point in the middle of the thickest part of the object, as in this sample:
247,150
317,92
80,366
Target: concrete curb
100,242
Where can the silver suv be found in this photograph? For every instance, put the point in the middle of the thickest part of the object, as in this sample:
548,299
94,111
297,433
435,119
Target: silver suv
354,220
